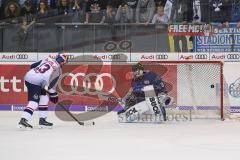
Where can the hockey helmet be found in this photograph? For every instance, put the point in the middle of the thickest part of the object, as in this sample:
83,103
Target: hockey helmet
137,66
61,58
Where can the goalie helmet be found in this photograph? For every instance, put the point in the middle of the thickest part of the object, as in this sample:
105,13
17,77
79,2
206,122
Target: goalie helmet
137,66
137,70
61,58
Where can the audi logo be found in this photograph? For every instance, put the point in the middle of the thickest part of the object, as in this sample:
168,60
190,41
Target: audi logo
162,56
21,56
233,56
91,88
201,56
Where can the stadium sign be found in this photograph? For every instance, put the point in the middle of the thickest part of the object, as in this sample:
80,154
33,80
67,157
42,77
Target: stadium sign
218,56
106,57
189,30
18,57
154,56
222,40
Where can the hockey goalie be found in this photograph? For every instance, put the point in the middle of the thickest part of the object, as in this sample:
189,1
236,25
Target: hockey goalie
148,96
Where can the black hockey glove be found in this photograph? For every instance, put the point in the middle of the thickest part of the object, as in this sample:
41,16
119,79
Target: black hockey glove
53,97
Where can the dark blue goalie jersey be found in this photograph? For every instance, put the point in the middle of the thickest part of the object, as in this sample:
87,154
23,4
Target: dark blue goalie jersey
138,95
148,78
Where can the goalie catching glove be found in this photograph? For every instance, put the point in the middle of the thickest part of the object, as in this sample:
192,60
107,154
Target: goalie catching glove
53,97
165,100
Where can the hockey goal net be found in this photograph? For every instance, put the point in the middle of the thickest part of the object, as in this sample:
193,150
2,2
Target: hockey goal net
196,86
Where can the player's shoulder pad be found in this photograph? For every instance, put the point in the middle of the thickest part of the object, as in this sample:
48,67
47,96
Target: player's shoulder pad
150,74
34,65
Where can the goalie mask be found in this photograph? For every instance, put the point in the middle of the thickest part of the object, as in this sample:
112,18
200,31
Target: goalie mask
138,70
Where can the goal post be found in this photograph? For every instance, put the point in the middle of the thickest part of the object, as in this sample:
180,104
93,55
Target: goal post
196,86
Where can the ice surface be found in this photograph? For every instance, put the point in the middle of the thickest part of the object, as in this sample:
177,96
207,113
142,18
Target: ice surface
109,140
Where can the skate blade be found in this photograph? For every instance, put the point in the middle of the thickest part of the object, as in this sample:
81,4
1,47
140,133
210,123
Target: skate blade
45,127
23,128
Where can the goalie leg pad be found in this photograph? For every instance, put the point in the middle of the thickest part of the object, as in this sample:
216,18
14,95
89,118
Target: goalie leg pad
156,107
133,113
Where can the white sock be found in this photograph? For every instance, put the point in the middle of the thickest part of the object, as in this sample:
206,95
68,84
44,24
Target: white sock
26,115
42,112
43,106
28,111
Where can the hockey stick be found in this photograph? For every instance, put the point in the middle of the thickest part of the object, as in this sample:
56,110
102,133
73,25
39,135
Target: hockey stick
46,88
79,122
113,99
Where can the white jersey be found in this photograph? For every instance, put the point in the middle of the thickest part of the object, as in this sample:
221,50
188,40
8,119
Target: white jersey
44,73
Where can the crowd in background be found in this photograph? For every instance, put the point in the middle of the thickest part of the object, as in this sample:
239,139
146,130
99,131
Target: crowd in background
121,11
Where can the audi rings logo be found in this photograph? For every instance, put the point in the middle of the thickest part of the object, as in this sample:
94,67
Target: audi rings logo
201,56
98,87
21,56
162,56
233,56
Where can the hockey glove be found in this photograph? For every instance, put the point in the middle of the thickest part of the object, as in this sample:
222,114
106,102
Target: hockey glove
53,97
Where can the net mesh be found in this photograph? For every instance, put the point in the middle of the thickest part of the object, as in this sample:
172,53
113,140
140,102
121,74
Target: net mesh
197,91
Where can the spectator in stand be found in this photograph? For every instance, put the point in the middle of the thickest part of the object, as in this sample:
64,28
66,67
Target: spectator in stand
133,5
91,7
49,3
21,2
110,14
23,34
145,11
63,7
78,12
160,17
115,3
124,14
220,12
235,15
182,11
28,11
160,2
52,4
96,15
12,11
42,10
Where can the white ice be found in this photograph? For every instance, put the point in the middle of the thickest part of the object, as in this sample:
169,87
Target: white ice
109,140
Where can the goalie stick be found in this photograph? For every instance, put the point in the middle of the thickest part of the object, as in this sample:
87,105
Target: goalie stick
71,115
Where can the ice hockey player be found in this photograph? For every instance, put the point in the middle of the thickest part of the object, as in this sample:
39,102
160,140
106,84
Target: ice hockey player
142,79
41,81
